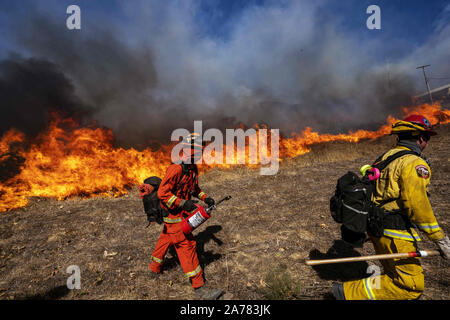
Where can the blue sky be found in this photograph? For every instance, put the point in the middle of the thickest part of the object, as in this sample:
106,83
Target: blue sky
406,25
293,62
411,21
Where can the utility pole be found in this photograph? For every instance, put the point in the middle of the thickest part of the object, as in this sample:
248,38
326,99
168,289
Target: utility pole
426,80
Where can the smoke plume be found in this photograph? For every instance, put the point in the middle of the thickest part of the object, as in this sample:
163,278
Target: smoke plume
155,69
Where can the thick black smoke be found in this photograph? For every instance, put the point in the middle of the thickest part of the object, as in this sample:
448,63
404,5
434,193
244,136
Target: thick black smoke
29,90
155,73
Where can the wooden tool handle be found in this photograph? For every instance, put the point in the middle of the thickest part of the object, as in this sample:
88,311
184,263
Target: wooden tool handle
403,255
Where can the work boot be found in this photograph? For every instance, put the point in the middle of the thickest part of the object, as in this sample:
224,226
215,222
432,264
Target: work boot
207,294
153,275
338,291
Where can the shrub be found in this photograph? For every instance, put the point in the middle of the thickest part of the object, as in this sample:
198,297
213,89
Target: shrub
279,285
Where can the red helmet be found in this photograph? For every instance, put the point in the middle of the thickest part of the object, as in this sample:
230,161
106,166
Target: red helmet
414,123
421,121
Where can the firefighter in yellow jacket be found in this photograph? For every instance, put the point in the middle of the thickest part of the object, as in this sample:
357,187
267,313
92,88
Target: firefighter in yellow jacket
402,187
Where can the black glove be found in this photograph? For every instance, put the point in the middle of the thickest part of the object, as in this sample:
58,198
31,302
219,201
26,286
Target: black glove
189,205
209,201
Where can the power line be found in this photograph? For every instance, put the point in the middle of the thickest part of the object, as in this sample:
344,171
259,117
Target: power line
426,80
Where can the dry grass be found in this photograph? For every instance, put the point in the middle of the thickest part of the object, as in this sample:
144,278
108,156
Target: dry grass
279,285
271,221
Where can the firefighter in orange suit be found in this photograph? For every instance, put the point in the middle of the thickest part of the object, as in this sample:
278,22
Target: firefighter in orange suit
402,187
175,192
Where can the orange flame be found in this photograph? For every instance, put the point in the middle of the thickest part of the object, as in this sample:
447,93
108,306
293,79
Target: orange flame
71,161
299,143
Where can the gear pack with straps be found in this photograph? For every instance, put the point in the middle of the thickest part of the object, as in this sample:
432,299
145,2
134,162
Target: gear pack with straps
352,205
148,192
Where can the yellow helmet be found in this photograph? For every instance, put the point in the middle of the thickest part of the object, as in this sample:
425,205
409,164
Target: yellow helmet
415,124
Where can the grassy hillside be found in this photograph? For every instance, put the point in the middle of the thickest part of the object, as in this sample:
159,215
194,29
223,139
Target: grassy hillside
253,247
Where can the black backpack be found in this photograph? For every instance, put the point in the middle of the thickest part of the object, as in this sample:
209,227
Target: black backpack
152,207
152,204
352,206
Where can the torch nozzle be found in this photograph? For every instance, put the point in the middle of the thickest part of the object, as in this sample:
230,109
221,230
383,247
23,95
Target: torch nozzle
214,206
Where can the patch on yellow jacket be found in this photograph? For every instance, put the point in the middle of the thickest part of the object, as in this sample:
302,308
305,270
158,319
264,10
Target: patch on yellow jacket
422,171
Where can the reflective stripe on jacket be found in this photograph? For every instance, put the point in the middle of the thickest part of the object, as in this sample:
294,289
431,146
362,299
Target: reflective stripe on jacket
171,182
406,180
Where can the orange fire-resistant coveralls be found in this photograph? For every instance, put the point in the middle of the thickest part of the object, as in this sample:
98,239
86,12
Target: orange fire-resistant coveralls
406,179
185,245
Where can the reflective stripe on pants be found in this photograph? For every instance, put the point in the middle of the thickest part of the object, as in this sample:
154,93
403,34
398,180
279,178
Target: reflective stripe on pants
185,247
403,278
